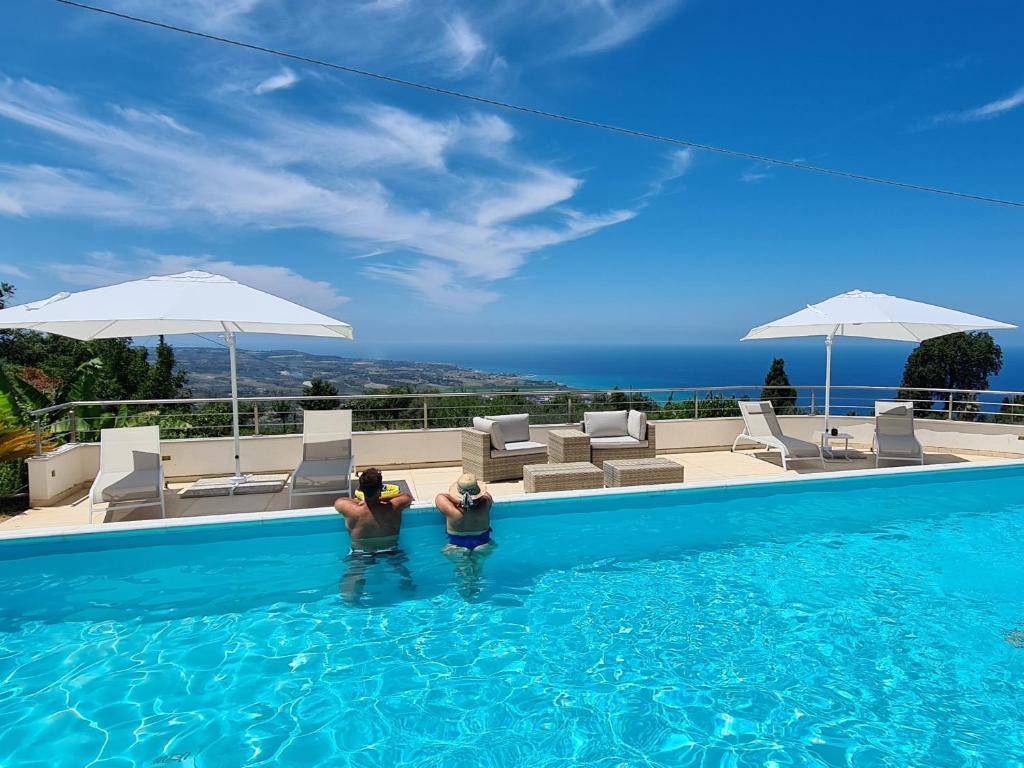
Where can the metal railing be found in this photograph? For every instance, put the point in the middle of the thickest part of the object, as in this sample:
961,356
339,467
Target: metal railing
82,421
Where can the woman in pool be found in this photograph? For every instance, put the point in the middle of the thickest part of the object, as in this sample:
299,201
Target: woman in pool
467,511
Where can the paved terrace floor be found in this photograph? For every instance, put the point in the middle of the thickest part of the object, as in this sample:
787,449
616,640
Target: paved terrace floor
427,483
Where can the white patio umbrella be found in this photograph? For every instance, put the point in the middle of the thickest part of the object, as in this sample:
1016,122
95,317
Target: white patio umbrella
189,302
871,316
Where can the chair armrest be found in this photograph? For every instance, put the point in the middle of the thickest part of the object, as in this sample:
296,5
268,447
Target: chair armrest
94,487
652,434
476,443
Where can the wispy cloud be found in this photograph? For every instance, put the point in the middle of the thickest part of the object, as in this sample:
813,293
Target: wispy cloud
680,162
13,270
464,43
283,80
436,283
213,15
141,117
759,172
107,267
444,38
9,205
481,219
677,164
610,24
538,191
987,111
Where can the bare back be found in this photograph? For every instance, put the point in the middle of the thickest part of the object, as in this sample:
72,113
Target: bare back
373,524
476,519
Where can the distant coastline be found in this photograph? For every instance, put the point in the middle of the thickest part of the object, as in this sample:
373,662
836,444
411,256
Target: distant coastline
285,372
520,366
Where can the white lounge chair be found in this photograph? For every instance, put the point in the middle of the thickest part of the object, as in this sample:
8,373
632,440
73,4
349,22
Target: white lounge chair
327,457
131,474
761,426
894,432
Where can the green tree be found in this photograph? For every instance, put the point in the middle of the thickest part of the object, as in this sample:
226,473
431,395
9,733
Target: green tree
961,361
164,380
318,387
712,405
281,411
126,366
777,388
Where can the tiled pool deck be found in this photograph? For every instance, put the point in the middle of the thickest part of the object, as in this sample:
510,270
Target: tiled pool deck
707,466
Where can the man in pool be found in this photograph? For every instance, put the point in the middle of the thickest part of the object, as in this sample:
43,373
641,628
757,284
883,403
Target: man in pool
373,523
467,511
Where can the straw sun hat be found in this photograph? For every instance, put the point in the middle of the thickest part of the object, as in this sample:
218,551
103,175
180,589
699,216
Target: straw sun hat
467,484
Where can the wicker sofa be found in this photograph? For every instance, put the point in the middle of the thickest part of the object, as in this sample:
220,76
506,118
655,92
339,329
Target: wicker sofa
498,447
619,435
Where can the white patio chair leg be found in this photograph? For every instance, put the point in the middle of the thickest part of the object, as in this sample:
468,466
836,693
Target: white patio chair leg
734,443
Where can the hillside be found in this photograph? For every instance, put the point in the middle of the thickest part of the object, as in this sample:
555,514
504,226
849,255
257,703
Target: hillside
284,371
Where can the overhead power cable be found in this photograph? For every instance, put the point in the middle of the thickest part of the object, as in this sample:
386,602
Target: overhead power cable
609,127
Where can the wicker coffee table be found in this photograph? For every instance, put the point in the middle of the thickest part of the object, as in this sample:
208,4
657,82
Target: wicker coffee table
571,476
623,472
566,446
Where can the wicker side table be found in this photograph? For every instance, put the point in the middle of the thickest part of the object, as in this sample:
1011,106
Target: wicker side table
568,445
622,472
574,476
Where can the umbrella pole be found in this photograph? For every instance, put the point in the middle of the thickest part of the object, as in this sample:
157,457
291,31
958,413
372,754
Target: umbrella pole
828,377
230,338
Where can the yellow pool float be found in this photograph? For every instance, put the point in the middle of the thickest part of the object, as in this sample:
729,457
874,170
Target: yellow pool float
390,491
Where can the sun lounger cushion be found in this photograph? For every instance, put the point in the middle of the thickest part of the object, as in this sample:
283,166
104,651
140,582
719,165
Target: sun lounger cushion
798,447
515,427
520,448
327,449
898,445
322,473
617,442
636,425
139,485
606,423
493,428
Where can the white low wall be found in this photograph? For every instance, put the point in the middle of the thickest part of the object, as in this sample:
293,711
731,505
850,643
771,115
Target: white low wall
53,476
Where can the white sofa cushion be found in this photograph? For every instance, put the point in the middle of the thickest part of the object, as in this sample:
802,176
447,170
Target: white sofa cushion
493,429
636,425
515,427
617,442
524,447
606,423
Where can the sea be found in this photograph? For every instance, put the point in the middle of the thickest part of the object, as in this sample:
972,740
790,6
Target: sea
639,367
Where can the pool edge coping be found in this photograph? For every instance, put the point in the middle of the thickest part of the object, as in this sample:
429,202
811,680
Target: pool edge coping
419,507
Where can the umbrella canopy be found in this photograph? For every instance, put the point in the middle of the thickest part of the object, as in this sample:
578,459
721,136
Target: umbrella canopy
872,316
189,302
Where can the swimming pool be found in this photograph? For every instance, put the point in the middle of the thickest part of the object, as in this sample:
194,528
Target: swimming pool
857,621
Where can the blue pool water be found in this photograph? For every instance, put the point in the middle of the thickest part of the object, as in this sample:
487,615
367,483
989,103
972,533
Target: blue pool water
858,621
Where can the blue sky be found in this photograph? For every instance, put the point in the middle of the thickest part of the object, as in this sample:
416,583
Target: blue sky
126,151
